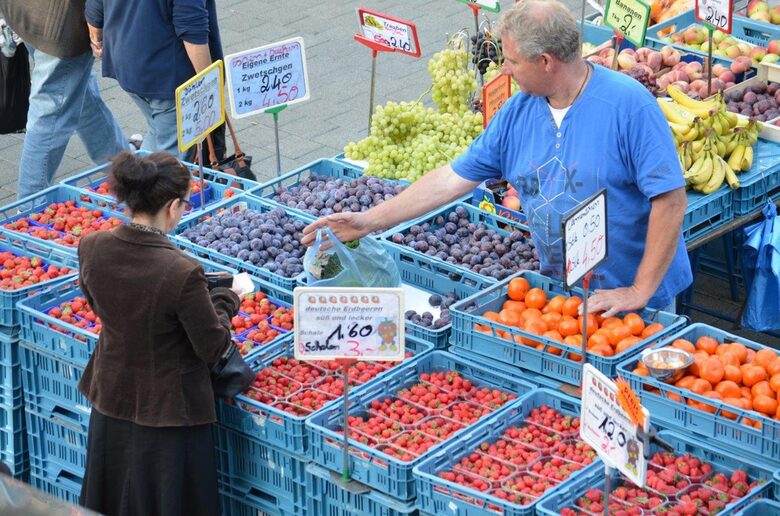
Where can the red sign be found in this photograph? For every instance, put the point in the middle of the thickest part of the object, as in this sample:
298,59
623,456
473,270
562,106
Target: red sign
494,94
387,32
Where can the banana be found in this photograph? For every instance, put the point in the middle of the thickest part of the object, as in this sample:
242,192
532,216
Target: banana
747,159
732,119
675,115
721,148
701,170
717,178
679,128
697,146
730,146
717,126
735,159
731,177
700,108
742,121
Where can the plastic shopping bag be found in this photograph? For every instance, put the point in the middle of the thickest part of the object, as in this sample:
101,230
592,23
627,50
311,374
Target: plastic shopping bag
761,267
14,86
361,263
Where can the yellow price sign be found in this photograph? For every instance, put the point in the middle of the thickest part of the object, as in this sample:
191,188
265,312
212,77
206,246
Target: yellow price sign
629,18
200,105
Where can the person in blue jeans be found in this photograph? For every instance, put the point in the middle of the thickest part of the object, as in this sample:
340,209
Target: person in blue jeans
574,129
64,95
152,53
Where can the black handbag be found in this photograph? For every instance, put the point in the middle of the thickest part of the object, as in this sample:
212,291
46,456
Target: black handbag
237,164
231,375
14,91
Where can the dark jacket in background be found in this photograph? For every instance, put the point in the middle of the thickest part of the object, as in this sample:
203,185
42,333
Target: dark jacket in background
161,327
55,27
143,41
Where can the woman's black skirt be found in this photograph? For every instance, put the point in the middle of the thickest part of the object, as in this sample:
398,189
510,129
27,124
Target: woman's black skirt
140,470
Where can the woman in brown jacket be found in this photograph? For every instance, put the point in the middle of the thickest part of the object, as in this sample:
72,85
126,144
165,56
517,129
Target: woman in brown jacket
150,448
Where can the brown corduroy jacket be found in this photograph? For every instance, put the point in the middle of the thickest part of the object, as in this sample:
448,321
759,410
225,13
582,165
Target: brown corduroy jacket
56,27
161,327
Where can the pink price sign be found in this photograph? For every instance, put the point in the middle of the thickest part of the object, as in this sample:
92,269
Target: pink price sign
349,323
388,32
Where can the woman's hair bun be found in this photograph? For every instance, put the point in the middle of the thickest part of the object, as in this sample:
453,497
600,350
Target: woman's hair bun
132,172
146,183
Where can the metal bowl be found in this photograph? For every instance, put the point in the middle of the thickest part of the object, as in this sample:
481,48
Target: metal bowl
665,362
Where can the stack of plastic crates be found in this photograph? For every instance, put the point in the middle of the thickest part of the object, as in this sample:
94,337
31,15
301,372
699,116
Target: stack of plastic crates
46,268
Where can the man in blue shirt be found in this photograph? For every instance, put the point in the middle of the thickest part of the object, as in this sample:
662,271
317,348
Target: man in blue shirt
151,47
574,129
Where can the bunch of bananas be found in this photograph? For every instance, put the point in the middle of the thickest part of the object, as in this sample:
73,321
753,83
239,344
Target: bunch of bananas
713,144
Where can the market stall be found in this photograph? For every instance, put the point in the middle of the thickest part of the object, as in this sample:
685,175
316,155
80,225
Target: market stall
482,413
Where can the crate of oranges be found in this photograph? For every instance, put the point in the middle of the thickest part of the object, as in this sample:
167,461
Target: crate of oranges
730,393
529,321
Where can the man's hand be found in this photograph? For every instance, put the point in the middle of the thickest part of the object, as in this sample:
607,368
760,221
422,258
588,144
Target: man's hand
346,226
96,41
617,300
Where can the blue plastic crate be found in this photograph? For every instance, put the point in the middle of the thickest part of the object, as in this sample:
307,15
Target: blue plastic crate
438,496
265,468
242,499
352,163
35,203
57,482
327,168
777,485
51,387
10,368
761,182
721,461
509,370
435,277
561,367
501,225
273,426
326,497
371,466
707,212
13,438
760,508
9,315
238,203
764,442
53,440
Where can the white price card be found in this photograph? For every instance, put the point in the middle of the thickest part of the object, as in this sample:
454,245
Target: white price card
265,77
606,427
585,237
488,5
717,13
389,31
353,323
200,105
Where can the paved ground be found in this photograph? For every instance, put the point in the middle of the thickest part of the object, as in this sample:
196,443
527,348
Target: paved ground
339,74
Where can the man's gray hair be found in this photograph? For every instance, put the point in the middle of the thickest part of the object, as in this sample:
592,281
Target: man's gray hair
542,27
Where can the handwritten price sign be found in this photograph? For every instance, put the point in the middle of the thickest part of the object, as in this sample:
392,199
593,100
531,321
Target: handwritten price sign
585,237
488,5
494,94
355,323
200,105
607,428
717,13
628,17
394,33
268,76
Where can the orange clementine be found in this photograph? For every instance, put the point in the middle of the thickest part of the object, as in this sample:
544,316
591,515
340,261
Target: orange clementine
571,306
617,333
568,326
598,339
510,318
700,386
531,313
732,373
517,289
707,343
555,305
626,343
491,316
774,367
610,321
740,350
764,357
535,298
765,404
593,325
517,306
685,382
634,323
711,370
651,330
753,375
774,382
600,349
728,358
684,345
728,389
553,335
552,319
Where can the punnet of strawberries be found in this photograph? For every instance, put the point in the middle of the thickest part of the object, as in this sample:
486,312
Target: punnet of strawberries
19,272
63,223
260,321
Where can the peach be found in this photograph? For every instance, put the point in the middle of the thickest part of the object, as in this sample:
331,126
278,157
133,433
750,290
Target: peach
626,61
774,15
655,61
693,70
692,35
642,53
732,52
718,69
727,76
773,47
682,86
755,6
744,48
698,84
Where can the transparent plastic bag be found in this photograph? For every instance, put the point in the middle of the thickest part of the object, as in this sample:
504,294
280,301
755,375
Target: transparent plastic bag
367,264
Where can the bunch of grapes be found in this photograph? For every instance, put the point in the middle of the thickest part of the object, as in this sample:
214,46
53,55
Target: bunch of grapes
485,50
647,79
408,139
452,80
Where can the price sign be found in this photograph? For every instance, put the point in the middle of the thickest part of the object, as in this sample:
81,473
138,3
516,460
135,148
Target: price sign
628,17
200,105
585,237
494,94
394,33
354,323
488,5
606,427
265,77
717,13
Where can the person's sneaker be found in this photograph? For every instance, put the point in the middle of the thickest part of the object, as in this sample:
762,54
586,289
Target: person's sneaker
136,141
